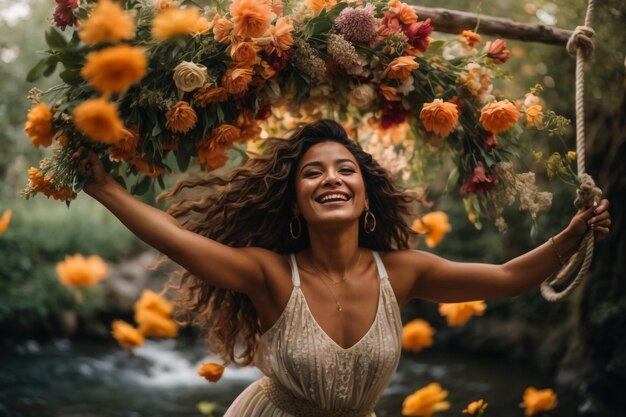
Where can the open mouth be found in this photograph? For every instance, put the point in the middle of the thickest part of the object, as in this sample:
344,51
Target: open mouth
333,197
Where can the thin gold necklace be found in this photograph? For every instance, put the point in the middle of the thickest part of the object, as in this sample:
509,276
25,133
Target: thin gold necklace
339,307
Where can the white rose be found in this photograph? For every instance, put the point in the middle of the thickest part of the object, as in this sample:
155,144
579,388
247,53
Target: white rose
189,76
362,96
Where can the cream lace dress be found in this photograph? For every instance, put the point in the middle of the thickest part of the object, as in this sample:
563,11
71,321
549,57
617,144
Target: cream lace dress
308,374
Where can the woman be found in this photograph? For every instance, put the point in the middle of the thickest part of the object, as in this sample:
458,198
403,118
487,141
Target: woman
285,259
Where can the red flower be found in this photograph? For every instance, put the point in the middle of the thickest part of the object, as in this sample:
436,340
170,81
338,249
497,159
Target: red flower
63,15
419,34
278,59
393,114
265,110
490,142
480,182
497,51
390,25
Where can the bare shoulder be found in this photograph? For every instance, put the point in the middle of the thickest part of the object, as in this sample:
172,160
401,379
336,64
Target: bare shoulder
404,268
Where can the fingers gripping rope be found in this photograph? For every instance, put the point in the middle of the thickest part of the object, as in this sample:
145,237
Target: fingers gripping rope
580,44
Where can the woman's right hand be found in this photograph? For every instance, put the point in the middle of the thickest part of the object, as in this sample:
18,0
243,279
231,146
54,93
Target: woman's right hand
91,166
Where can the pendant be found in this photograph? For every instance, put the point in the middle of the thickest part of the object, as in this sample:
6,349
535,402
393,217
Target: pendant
339,307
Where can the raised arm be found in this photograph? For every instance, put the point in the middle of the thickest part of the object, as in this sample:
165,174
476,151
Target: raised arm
220,265
440,280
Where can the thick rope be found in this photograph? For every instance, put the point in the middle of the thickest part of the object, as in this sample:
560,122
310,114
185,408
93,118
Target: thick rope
581,45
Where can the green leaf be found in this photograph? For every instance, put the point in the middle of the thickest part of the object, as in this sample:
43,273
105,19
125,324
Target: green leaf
182,159
55,39
453,179
161,182
142,186
51,65
71,76
37,71
120,180
156,130
435,45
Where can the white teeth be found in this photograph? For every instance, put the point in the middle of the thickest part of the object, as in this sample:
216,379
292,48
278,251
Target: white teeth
330,197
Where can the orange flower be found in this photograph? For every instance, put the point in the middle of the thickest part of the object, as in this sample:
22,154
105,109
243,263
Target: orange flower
126,148
469,39
225,134
5,220
153,324
434,225
400,68
181,118
390,93
38,125
277,36
98,119
212,156
267,71
150,300
209,95
251,18
416,335
317,5
202,26
440,117
538,400
107,23
113,70
426,401
222,29
43,184
244,53
571,155
476,408
126,335
497,51
78,271
212,372
163,4
173,22
237,80
278,7
145,167
458,314
499,116
534,116
406,13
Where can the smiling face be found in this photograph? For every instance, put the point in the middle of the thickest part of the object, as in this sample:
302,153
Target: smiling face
329,185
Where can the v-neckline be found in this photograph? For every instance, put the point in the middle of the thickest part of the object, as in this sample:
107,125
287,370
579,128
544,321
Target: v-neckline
325,334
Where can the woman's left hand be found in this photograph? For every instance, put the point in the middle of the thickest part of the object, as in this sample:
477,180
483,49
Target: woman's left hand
598,218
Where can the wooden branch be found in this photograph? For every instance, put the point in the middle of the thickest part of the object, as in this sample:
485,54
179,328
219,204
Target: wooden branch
452,21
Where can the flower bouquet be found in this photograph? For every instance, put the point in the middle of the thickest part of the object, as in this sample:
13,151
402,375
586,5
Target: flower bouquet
156,86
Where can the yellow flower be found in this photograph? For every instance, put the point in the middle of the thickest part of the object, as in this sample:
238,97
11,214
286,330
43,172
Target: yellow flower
5,220
400,68
476,408
98,119
38,125
534,116
173,22
538,400
126,335
458,314
499,116
251,18
78,271
538,156
469,39
108,23
150,300
426,401
434,225
212,372
181,118
416,335
571,155
113,70
153,324
440,117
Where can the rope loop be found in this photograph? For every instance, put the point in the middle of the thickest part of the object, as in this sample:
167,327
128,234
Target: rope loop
581,40
588,193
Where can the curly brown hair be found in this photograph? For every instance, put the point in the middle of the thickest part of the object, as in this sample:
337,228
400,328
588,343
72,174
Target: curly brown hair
252,206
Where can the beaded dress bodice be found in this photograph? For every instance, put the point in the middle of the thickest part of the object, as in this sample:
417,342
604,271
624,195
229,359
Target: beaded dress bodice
302,363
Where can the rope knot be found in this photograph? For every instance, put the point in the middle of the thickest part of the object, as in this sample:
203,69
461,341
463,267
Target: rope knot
588,193
581,40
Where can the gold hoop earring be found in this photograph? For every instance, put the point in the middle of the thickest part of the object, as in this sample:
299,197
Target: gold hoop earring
369,221
295,236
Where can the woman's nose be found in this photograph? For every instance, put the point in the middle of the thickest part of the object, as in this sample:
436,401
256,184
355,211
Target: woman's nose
331,179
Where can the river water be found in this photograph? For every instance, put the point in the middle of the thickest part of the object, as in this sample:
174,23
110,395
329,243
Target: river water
80,379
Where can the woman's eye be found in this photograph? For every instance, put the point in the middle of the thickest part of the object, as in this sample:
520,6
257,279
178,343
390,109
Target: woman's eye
311,173
347,170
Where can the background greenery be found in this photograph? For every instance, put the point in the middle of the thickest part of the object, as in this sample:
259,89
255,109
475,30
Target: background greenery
584,337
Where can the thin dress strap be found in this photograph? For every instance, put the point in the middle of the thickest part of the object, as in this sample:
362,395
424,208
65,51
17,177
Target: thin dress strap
295,275
382,272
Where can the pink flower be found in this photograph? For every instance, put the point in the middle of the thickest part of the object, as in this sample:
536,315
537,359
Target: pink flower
63,15
490,142
389,25
497,51
418,34
480,182
265,110
357,24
